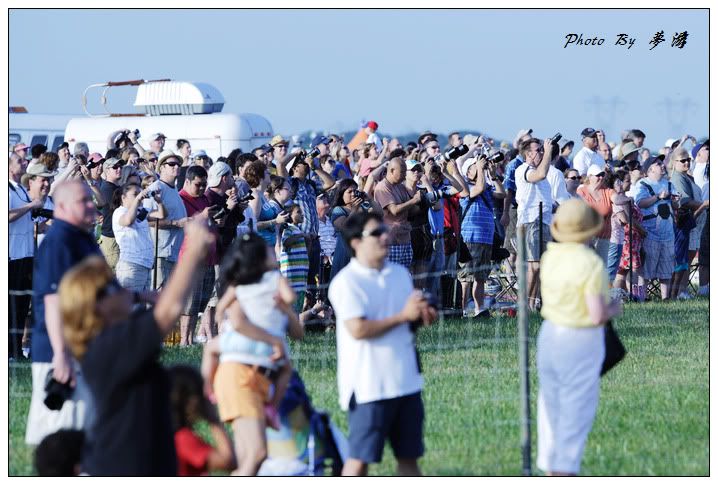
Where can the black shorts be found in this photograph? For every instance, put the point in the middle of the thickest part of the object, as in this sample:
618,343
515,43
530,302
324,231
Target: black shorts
400,418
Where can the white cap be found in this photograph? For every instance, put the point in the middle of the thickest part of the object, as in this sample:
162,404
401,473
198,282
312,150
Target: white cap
670,142
216,172
594,170
465,166
199,153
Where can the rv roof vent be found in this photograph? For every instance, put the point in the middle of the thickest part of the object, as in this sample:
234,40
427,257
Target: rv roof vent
178,98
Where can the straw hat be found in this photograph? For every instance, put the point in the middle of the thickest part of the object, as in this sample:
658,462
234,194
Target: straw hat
575,221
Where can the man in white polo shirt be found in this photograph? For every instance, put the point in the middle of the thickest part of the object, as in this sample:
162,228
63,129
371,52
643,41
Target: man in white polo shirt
588,155
378,370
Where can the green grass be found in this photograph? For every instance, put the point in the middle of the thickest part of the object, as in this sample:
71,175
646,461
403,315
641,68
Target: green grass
652,418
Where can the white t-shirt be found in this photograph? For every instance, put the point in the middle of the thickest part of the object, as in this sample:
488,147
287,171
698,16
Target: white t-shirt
585,158
529,195
558,185
21,231
699,174
134,240
257,302
381,367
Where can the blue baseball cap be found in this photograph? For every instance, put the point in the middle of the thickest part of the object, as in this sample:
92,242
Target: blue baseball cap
319,140
697,148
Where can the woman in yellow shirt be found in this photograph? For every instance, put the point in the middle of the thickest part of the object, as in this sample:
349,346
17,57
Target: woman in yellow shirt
570,348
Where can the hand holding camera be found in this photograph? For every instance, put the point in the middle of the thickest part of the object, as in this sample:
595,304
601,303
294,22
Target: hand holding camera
282,218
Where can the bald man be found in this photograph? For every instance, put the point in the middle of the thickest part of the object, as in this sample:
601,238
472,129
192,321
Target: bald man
68,241
394,199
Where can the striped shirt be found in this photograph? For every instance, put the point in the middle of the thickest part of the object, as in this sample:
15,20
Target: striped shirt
327,236
478,224
293,258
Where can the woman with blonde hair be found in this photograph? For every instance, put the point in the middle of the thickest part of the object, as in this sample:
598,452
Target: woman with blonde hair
570,348
119,352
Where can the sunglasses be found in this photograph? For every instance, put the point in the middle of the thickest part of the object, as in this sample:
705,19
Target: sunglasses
172,164
433,147
600,174
684,160
378,232
575,177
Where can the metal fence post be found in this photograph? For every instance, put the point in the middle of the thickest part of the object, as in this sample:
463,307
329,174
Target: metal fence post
157,247
523,322
632,296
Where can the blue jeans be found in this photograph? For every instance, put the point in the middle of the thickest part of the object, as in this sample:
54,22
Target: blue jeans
614,257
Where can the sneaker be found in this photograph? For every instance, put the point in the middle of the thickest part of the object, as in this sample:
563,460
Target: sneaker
200,339
272,417
26,352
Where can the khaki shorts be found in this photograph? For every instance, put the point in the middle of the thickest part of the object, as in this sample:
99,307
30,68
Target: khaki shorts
536,240
510,237
479,267
110,250
77,412
241,391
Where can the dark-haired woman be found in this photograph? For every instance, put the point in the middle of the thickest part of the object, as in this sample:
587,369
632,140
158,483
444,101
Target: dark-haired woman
344,203
132,233
246,358
270,215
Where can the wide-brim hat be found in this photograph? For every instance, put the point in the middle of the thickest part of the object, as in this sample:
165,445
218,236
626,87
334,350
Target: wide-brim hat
628,148
575,221
36,170
166,155
278,140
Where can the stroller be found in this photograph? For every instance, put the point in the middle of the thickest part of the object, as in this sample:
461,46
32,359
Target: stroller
307,443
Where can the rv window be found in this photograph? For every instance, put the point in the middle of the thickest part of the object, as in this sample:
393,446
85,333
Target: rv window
38,140
57,142
13,139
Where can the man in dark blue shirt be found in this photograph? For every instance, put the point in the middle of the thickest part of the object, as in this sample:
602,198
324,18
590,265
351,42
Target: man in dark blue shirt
68,241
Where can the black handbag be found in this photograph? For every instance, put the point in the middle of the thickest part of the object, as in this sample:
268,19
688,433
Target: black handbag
615,351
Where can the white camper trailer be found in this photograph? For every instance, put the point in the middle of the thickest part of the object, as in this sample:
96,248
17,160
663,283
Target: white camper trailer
33,129
177,110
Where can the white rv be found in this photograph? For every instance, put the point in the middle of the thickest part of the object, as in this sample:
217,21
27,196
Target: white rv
178,110
33,129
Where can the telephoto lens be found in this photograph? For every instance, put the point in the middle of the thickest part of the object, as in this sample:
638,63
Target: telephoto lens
456,152
556,138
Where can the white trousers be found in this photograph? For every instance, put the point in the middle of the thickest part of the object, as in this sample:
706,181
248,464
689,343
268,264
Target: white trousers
78,412
569,364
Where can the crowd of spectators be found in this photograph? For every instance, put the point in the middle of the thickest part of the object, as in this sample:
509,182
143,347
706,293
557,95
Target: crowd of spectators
450,217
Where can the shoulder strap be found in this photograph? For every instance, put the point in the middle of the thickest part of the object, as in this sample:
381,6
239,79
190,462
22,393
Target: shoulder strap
650,189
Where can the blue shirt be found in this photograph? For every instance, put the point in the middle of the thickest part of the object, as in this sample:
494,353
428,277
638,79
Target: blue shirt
269,212
64,246
478,225
510,173
657,228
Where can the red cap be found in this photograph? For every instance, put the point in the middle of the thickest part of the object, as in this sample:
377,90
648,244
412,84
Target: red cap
373,125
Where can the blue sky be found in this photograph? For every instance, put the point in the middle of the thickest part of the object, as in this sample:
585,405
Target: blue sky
494,71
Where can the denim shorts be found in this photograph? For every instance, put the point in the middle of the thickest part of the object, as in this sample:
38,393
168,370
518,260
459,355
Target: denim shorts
401,419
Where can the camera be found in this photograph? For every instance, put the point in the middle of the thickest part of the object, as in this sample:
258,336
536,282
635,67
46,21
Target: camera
142,214
365,204
496,158
57,393
45,213
135,131
245,198
150,194
432,302
555,139
455,152
218,213
314,153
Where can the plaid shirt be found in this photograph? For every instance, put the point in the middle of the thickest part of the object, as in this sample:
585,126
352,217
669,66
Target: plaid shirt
306,197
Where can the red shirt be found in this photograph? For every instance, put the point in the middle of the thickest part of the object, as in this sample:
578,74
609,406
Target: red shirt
192,453
193,205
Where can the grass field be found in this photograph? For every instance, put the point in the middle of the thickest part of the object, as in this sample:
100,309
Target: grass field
652,418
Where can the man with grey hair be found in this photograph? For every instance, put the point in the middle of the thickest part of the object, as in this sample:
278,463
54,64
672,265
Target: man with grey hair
81,148
68,241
